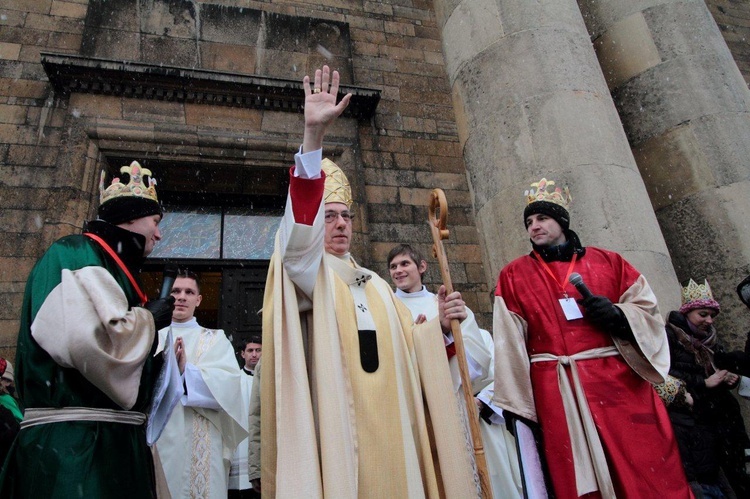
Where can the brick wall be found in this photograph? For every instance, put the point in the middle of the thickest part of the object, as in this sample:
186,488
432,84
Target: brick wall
50,153
36,180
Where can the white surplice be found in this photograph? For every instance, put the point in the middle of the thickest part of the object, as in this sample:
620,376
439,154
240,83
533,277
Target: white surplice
210,420
238,477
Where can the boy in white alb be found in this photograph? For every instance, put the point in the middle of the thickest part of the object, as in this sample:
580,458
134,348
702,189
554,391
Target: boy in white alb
406,267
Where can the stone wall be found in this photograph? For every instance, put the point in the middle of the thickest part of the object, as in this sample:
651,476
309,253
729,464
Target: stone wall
733,19
52,147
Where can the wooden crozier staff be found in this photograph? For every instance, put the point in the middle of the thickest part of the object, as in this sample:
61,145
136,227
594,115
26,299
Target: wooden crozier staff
439,232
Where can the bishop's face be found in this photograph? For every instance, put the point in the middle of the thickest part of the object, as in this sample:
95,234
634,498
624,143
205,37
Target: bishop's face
338,236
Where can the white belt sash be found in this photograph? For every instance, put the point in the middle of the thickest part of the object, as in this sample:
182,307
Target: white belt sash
592,472
35,416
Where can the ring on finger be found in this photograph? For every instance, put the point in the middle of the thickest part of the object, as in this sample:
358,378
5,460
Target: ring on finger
316,90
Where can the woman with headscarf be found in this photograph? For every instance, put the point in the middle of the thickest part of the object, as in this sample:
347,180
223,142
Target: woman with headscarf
719,435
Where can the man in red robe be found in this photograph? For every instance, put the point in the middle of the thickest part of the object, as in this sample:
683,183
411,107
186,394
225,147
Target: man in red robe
581,368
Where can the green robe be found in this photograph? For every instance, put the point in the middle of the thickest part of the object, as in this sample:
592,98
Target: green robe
75,459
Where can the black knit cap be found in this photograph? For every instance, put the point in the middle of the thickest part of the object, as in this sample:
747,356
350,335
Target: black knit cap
554,210
126,208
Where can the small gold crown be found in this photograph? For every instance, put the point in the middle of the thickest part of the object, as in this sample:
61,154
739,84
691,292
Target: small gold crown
337,188
540,192
694,292
134,188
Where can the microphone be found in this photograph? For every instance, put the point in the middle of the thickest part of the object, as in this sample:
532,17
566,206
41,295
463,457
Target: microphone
577,281
170,274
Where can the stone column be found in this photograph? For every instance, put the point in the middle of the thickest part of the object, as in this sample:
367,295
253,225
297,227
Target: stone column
684,106
531,101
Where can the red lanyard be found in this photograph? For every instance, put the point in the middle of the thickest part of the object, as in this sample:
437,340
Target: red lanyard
552,275
120,264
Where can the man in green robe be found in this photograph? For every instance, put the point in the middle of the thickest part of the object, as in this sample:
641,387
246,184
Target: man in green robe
85,368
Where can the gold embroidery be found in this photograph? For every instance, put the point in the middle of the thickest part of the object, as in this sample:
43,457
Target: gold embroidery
200,465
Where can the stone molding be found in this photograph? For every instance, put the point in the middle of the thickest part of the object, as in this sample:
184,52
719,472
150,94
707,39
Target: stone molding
77,74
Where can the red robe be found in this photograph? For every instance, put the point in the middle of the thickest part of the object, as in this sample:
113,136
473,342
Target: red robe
631,420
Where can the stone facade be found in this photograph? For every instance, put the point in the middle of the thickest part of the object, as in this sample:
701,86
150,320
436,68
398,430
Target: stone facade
54,141
733,19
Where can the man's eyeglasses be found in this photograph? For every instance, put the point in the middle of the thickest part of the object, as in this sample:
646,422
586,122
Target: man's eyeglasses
332,216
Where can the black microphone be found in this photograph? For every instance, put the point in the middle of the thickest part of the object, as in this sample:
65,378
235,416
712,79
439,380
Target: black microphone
170,274
577,281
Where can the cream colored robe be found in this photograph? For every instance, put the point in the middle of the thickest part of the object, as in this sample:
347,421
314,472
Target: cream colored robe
329,429
197,444
499,444
238,473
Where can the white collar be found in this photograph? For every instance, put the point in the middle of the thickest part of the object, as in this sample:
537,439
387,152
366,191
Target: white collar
416,294
193,322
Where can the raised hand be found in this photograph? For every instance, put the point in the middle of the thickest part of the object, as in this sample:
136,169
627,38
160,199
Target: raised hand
320,106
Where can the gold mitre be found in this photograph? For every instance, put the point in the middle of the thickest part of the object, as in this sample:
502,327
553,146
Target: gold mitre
696,295
337,188
134,188
545,190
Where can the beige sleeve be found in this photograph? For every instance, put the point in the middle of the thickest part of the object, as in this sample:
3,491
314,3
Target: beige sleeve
513,390
86,324
649,355
301,249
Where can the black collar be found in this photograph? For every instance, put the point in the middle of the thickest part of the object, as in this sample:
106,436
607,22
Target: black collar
128,245
562,252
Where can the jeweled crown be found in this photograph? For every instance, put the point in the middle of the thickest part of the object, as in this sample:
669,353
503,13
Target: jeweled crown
545,190
134,188
695,292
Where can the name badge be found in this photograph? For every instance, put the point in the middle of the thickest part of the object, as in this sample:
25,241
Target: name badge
570,309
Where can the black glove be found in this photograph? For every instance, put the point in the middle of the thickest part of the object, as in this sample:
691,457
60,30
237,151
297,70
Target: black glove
161,309
486,413
601,311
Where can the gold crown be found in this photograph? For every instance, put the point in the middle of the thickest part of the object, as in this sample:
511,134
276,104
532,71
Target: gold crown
540,192
670,389
337,189
134,188
694,292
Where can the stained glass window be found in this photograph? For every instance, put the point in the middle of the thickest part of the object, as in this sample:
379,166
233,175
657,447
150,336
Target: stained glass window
213,233
249,236
190,233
